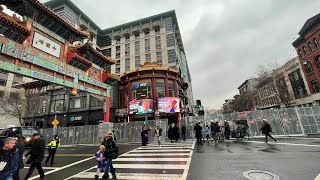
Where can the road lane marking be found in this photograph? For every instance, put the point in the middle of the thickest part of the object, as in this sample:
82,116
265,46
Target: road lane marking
164,154
280,143
94,166
150,159
73,155
63,167
44,167
318,177
149,166
144,176
186,170
161,150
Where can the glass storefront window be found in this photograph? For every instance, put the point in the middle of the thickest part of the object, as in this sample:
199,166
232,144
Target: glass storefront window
95,101
161,90
79,102
142,89
171,88
58,103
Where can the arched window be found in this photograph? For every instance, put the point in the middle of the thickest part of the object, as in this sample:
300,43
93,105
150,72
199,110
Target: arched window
315,85
318,61
309,68
310,46
305,50
316,45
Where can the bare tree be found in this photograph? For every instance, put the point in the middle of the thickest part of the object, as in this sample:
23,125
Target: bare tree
20,106
243,102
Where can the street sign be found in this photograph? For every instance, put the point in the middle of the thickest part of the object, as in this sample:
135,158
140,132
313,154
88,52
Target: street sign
55,122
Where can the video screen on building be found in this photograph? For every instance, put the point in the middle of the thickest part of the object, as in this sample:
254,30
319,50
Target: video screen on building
168,104
142,106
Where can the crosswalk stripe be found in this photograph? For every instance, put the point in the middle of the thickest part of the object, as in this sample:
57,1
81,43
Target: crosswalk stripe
160,150
150,159
151,148
149,166
155,154
141,176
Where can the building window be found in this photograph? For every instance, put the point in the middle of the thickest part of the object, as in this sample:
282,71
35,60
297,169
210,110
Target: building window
158,43
142,89
136,36
127,64
315,85
318,61
157,32
171,56
147,45
137,62
78,102
305,51
310,46
161,92
95,101
309,68
146,34
148,57
117,68
159,57
168,24
58,103
171,88
117,51
137,48
127,49
316,45
3,82
170,40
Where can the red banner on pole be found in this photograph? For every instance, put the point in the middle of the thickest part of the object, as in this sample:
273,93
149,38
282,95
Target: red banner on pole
106,110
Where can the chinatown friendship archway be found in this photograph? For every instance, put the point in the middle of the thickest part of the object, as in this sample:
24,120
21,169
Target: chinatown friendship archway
43,47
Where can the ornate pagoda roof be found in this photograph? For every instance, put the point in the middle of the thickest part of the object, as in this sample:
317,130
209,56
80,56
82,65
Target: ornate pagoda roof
34,9
14,25
151,66
94,55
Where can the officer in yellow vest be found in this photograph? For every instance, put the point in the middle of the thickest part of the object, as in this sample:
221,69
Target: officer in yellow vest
52,148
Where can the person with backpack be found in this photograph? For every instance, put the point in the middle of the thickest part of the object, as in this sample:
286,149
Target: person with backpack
158,133
9,159
52,148
111,152
266,129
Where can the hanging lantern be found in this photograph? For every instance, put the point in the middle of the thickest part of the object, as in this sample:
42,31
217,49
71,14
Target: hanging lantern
73,91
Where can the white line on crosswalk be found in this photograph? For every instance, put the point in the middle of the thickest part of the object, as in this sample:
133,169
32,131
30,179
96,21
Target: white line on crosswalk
145,159
164,155
318,177
136,176
149,166
45,168
186,170
161,150
162,147
289,144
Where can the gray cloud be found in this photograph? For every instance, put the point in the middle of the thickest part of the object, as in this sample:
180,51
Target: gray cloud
225,40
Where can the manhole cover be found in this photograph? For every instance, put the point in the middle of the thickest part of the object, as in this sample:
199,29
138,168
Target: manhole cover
260,175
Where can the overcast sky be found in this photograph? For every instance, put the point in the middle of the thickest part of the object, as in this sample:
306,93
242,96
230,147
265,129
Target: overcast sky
224,40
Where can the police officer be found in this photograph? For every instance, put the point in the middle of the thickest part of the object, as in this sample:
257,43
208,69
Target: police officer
52,148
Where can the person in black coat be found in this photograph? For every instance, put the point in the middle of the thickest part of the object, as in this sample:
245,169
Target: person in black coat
227,130
21,145
198,130
171,132
36,156
111,152
266,129
183,132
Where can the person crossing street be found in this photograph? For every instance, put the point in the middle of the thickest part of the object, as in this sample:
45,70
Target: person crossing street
52,148
266,129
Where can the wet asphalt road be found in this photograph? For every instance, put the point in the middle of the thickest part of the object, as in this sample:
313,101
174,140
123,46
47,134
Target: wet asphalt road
67,158
229,160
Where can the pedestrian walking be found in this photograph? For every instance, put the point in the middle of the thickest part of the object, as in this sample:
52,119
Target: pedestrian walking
9,159
20,145
176,132
171,133
36,156
111,152
100,161
52,148
144,136
198,130
266,129
227,130
208,132
158,133
183,132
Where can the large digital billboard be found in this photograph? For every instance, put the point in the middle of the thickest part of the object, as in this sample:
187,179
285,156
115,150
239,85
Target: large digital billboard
143,106
168,104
